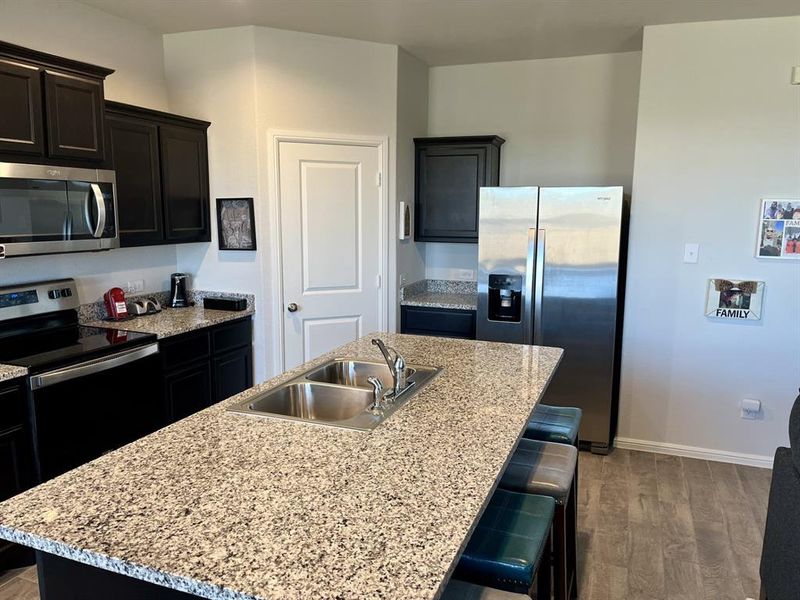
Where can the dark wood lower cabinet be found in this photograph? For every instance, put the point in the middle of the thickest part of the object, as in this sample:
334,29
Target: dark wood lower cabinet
233,373
16,462
63,579
439,322
187,391
206,366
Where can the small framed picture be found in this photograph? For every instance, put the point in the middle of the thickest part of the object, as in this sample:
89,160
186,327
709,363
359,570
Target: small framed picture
236,224
734,299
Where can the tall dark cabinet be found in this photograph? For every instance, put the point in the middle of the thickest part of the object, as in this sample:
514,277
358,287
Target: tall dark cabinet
51,108
449,173
161,161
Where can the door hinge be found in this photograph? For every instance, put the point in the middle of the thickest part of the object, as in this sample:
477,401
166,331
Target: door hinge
378,281
378,179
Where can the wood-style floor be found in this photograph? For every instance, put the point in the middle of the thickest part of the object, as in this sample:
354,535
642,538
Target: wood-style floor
655,527
651,527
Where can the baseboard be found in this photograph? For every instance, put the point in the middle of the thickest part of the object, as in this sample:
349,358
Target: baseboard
739,458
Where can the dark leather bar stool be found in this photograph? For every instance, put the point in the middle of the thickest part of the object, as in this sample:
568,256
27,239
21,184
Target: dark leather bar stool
509,548
558,424
548,468
461,590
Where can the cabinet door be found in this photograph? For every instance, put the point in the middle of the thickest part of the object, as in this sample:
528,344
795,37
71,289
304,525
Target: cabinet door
184,183
448,179
233,373
187,391
75,116
15,467
134,152
21,109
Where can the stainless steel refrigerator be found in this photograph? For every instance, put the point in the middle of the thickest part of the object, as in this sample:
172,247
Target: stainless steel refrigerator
550,274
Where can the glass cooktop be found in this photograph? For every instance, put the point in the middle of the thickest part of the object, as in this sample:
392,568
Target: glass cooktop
61,347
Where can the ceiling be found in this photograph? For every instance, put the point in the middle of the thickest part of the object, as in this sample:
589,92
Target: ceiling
445,32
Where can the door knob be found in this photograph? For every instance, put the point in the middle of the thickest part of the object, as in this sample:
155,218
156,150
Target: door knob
292,307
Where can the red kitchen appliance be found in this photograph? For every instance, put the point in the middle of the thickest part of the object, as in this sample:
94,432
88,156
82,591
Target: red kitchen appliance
116,307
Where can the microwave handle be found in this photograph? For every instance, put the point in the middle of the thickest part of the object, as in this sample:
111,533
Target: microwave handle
101,210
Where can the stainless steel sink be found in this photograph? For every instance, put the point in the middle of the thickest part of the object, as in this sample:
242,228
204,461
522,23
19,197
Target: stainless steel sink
337,394
354,373
314,402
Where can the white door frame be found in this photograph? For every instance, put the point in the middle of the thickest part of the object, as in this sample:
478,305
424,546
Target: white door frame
274,139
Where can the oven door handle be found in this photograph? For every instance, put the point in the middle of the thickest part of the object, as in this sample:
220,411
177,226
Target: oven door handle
91,367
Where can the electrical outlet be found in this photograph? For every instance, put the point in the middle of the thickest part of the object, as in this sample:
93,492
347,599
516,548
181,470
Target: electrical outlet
134,287
751,409
403,279
465,274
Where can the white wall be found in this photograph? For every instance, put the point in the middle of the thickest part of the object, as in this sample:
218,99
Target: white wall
718,129
412,121
566,121
77,31
248,81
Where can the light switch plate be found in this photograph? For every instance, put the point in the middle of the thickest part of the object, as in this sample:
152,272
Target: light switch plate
691,253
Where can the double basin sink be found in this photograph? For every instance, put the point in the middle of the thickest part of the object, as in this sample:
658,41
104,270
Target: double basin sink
337,393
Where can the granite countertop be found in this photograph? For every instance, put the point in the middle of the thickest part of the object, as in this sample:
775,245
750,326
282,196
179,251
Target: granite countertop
11,372
440,293
173,321
233,507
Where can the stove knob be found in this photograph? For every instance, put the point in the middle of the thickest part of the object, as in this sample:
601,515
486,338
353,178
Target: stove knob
54,294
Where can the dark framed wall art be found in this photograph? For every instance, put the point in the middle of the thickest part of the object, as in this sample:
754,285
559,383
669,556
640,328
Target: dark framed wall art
236,224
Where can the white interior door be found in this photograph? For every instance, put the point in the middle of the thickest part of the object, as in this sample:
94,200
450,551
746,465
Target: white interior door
330,201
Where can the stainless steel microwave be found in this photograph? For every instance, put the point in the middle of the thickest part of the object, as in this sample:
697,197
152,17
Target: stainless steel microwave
50,210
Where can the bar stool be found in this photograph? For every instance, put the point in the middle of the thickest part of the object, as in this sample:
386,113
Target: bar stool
554,424
508,549
548,468
461,590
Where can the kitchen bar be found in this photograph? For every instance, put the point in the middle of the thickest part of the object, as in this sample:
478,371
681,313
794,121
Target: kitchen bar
221,505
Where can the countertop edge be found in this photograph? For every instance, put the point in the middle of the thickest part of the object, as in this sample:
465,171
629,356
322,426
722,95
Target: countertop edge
122,567
444,305
178,330
10,372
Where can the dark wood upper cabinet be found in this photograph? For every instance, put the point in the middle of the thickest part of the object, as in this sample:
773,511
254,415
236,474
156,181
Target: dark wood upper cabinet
449,172
75,116
161,161
51,108
21,129
184,178
134,153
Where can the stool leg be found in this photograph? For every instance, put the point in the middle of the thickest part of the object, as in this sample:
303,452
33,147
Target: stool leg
543,583
560,551
572,543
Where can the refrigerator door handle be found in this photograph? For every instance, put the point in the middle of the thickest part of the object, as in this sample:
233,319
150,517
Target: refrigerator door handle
538,291
528,293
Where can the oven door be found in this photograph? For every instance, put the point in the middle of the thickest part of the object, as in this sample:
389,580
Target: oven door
83,411
45,210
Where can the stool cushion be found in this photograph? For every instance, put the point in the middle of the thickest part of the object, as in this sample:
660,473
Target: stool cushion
544,468
508,541
461,590
554,424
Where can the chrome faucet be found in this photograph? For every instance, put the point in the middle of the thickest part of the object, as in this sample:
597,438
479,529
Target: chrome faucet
397,366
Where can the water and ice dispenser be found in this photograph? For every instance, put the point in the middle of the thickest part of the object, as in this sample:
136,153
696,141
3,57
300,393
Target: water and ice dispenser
505,298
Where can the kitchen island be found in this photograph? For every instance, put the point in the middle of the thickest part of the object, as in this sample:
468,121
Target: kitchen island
221,505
